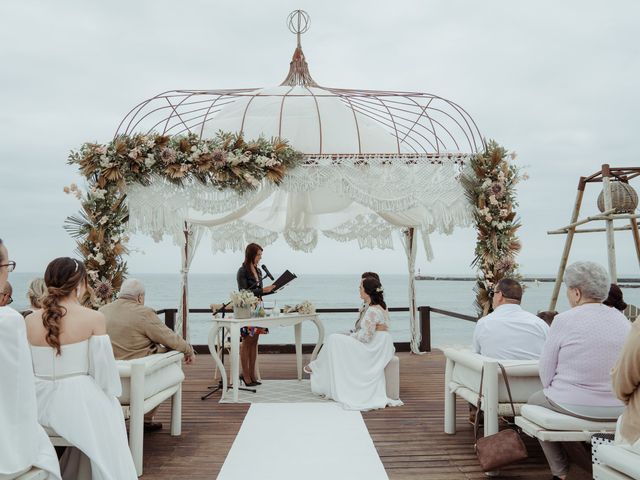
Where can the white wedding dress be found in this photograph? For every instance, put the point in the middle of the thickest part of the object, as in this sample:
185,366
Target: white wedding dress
77,398
350,368
23,442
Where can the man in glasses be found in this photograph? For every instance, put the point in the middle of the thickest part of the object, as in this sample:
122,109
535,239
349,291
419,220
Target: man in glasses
5,295
509,332
23,442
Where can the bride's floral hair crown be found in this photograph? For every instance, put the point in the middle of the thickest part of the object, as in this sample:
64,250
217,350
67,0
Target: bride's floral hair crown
380,289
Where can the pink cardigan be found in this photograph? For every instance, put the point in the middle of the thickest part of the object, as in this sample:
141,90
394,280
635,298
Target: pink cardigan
581,349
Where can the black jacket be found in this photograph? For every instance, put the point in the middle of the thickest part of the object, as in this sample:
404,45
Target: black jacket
246,281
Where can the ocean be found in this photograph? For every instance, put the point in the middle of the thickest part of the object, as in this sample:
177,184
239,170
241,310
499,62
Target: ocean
327,291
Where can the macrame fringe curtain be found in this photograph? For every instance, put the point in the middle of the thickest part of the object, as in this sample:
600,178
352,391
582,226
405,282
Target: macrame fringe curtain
191,237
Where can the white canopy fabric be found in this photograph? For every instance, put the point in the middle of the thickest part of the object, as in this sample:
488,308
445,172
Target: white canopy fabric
342,201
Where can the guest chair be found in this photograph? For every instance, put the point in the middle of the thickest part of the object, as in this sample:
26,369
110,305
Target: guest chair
462,378
146,383
547,425
617,462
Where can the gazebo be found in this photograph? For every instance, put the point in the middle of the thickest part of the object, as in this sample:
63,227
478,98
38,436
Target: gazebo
375,163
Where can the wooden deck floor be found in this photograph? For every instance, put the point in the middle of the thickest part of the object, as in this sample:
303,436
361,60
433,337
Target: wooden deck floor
409,439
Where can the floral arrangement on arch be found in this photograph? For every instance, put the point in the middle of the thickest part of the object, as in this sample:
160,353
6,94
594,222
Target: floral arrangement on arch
226,161
492,192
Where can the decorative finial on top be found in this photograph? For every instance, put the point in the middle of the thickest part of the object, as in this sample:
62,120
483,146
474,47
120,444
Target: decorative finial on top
299,22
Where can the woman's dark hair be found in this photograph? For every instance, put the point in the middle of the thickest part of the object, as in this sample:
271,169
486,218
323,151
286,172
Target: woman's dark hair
373,288
62,277
548,316
615,299
250,254
371,274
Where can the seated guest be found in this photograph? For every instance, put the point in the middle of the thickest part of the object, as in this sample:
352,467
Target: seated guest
581,349
23,442
77,381
548,316
136,331
5,295
509,332
614,299
350,368
36,292
626,385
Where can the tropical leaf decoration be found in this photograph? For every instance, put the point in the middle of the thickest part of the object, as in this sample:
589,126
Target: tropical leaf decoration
491,189
100,228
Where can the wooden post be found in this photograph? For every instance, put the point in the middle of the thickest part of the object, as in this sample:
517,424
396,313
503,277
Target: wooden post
611,243
425,328
636,237
185,306
567,245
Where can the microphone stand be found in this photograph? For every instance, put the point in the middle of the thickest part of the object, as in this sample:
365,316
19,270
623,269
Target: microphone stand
214,388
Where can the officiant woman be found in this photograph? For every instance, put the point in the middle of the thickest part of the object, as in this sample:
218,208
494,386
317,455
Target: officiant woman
249,278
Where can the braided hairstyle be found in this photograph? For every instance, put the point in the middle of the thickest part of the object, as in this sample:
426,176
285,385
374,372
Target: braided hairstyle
62,277
373,288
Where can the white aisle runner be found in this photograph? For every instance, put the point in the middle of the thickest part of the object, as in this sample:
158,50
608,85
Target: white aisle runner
302,441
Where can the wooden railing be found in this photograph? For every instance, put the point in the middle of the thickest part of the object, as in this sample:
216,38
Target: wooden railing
424,317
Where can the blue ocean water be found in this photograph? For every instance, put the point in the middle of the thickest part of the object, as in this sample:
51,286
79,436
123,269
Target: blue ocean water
326,291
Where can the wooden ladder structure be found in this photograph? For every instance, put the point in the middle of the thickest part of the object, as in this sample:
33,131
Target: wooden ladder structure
604,176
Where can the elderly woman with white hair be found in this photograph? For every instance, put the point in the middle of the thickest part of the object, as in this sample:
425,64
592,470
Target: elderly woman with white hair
582,347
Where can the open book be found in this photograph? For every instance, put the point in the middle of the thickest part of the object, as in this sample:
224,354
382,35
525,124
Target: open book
283,279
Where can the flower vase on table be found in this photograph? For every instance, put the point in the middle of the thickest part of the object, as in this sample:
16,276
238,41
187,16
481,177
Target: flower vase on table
242,312
243,303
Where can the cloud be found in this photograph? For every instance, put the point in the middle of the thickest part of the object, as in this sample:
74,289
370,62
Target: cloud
554,81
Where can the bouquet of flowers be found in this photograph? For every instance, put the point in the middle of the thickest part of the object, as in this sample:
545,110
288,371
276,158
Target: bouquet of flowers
243,299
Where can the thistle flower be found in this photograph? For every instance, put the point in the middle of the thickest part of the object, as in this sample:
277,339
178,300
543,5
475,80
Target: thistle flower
103,289
219,158
168,155
497,189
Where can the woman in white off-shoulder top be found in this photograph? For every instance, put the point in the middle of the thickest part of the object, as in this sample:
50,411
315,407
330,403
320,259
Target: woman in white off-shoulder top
77,381
350,368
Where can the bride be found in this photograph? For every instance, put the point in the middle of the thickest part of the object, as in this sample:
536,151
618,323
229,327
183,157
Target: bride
350,368
77,380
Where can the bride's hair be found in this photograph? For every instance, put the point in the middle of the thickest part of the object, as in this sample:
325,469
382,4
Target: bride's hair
373,288
62,277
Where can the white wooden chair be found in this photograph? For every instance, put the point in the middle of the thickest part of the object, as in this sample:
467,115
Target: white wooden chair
462,378
618,462
146,383
550,426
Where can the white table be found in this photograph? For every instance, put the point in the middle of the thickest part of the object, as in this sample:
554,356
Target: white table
235,324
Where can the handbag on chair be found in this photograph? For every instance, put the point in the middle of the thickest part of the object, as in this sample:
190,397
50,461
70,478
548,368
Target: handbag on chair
502,448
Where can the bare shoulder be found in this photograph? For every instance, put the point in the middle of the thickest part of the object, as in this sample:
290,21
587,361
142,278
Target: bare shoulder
33,320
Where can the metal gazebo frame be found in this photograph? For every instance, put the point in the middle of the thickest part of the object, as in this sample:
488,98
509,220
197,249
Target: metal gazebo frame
426,128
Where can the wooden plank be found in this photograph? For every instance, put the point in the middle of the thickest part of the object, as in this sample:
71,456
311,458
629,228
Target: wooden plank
409,439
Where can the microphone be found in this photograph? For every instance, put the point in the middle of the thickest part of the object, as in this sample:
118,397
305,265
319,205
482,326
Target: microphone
266,270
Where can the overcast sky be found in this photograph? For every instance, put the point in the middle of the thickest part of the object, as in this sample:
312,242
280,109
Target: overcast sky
557,82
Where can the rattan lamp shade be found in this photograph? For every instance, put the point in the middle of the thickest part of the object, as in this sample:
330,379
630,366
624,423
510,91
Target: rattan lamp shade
623,198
